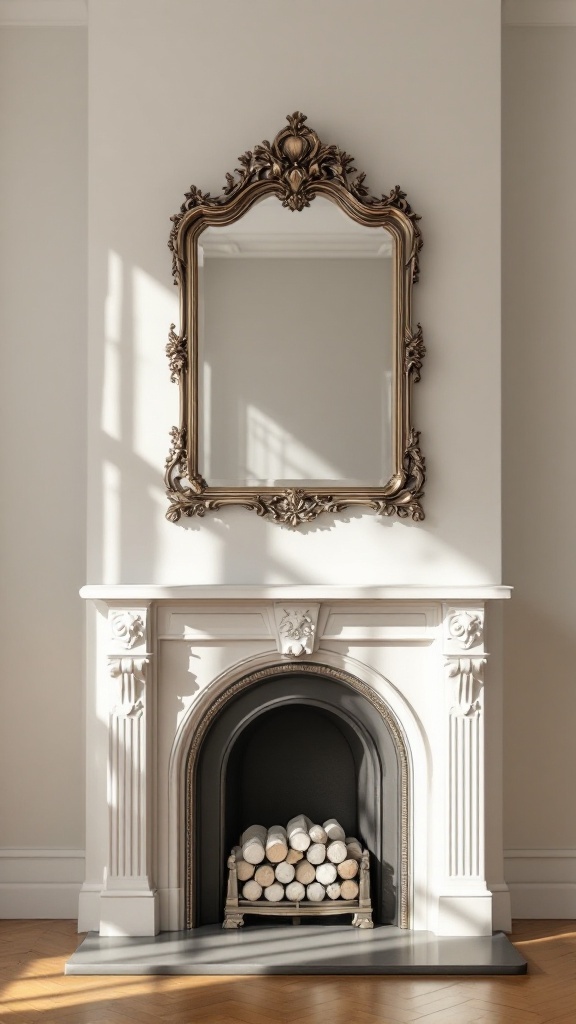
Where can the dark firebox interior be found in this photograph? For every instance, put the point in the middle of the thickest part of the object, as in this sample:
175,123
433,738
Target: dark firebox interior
289,746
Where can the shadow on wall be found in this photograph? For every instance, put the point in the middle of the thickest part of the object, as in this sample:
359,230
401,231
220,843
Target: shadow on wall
540,710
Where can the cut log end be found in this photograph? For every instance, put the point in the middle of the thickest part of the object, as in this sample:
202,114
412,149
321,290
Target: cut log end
274,893
251,890
316,853
297,832
349,889
276,844
285,872
295,891
334,829
264,875
315,892
326,873
318,834
299,841
348,868
336,851
305,872
253,843
354,847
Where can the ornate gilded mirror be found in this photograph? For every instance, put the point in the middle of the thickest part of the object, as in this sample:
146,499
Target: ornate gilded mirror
296,354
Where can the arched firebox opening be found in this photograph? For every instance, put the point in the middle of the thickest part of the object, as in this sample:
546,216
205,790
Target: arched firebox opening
298,739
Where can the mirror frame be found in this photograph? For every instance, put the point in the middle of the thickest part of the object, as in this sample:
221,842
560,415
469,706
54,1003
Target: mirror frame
296,167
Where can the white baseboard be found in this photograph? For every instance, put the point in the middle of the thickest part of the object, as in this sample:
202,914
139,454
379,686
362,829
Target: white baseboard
542,883
40,883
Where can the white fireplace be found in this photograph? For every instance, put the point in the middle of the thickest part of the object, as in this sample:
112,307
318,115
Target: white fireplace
168,660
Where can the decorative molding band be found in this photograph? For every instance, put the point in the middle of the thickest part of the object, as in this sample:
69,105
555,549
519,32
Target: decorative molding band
540,854
56,13
38,853
539,13
535,867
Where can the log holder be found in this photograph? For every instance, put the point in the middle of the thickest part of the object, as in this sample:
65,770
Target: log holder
360,908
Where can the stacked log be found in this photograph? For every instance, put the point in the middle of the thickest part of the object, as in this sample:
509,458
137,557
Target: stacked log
336,851
276,844
304,861
353,848
298,834
348,868
305,872
244,870
253,843
295,892
264,875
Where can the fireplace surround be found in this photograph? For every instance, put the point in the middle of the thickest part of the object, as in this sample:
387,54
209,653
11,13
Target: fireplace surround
193,691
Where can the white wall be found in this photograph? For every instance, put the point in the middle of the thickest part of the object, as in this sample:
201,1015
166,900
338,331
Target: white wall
177,91
539,371
164,114
43,444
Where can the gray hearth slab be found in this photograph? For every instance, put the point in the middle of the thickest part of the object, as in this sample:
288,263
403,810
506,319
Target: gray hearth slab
289,949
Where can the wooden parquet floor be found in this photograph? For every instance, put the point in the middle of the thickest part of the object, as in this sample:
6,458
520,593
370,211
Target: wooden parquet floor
34,990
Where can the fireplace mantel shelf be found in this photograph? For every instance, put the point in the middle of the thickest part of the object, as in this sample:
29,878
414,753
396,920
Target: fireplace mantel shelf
293,592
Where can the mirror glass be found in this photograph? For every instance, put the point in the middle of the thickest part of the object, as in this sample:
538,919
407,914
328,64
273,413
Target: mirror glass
296,343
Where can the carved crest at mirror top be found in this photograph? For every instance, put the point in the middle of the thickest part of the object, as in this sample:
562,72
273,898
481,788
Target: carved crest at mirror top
296,169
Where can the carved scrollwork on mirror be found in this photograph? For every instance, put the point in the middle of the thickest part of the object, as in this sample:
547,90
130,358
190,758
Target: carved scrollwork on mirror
296,353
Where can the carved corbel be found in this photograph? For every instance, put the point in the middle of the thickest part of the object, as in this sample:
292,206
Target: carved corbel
131,681
466,676
296,627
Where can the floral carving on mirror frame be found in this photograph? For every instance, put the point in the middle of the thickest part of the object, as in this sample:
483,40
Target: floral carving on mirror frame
295,167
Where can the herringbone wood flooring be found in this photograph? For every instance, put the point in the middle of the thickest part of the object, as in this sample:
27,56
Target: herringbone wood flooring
34,990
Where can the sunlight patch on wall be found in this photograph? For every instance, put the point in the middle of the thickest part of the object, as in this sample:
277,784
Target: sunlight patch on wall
111,522
110,419
154,308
